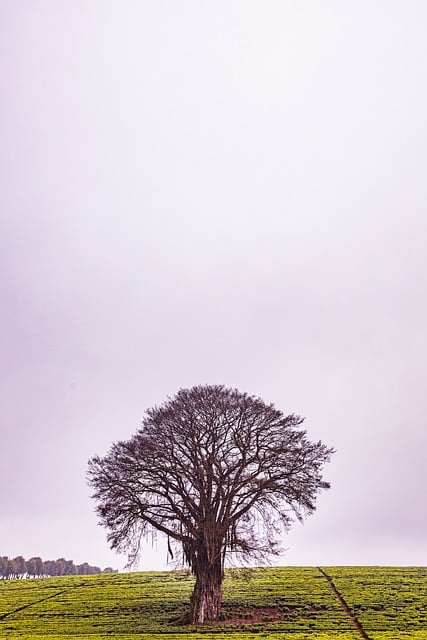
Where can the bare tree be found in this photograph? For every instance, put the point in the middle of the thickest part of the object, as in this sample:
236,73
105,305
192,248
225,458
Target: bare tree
216,471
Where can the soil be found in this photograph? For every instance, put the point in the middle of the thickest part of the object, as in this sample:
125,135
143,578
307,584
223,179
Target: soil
251,615
255,615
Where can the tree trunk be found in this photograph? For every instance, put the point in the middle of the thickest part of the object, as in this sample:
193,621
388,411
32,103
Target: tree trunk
207,595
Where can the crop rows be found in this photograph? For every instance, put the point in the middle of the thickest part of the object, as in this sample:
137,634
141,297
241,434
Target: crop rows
273,603
389,602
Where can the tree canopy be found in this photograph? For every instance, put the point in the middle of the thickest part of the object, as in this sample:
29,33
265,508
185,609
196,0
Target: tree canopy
217,471
13,568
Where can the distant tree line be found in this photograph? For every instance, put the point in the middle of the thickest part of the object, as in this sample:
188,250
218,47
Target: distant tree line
18,568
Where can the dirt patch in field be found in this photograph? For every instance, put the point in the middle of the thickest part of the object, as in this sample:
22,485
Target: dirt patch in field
251,615
259,615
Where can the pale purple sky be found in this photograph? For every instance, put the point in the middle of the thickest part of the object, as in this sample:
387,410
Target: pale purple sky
224,192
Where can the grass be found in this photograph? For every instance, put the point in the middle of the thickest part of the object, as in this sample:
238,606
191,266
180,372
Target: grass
293,603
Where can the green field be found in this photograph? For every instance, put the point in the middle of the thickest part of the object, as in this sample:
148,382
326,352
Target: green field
274,603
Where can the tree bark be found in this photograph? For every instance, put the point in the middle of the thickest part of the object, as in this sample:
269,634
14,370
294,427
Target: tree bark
207,595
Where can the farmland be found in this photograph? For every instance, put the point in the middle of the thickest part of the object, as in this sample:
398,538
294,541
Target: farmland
388,603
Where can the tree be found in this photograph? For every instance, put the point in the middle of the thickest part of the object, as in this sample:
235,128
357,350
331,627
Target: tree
60,566
216,471
39,566
20,567
70,569
4,563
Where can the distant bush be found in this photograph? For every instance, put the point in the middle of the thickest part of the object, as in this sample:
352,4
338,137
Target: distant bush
18,568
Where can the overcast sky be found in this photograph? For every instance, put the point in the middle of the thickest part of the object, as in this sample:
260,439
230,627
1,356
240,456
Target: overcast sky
219,191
